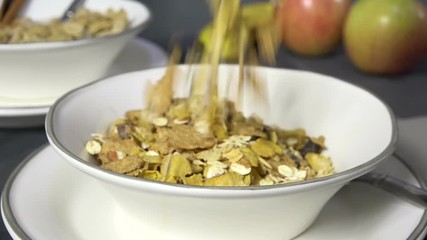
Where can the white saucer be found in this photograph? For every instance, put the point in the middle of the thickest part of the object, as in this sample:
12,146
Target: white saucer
45,198
137,54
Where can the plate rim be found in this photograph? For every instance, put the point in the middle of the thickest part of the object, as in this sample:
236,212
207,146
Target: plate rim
12,224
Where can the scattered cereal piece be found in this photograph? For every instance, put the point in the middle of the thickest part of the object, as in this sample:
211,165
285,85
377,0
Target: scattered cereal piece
318,162
151,174
152,159
266,182
240,168
186,137
285,171
262,147
227,179
179,166
195,179
218,164
213,171
211,155
125,165
250,155
233,155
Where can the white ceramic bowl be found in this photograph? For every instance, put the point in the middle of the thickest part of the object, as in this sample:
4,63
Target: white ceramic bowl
360,132
45,71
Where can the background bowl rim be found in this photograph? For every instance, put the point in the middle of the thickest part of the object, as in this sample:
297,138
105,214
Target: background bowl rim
339,178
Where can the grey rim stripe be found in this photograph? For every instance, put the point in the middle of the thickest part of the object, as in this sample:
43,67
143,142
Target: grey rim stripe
418,232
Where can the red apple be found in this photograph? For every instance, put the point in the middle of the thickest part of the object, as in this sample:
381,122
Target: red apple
386,36
312,27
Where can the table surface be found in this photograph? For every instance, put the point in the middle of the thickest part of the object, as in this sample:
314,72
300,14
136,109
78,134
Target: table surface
405,94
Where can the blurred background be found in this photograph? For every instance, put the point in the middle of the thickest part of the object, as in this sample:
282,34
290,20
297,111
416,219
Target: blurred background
184,19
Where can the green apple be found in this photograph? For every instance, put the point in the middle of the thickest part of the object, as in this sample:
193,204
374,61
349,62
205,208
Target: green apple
253,15
386,36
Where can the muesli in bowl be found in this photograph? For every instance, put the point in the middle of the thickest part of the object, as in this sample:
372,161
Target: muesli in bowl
176,145
85,23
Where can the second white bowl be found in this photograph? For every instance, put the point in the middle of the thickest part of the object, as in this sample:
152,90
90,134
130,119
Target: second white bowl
44,71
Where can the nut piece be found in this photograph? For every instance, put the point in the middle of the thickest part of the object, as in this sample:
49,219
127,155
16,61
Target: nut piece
93,147
120,155
160,121
291,141
152,153
180,122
